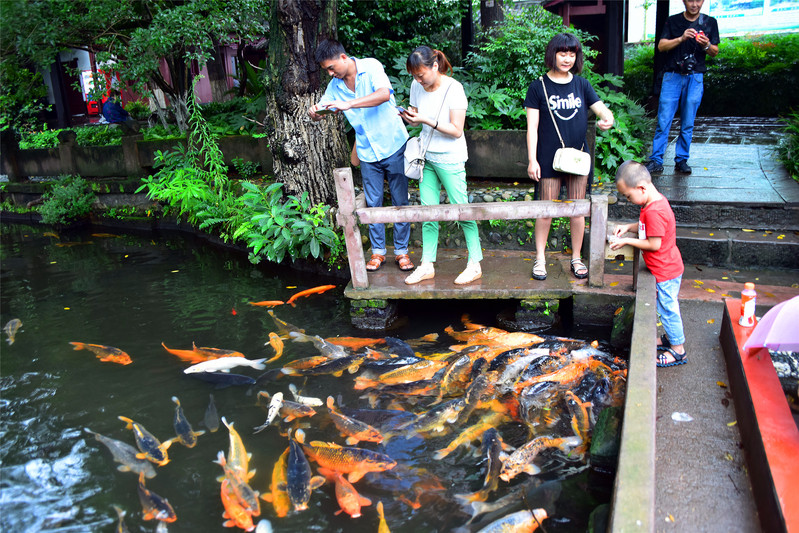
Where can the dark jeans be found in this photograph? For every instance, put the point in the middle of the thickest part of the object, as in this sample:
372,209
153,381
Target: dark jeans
374,175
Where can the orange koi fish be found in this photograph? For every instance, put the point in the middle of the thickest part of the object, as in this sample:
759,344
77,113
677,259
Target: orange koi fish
121,527
237,457
305,363
267,303
406,374
153,505
236,514
214,353
348,498
277,344
522,459
471,433
106,354
353,429
566,374
190,356
382,527
579,421
279,498
354,343
356,462
151,448
308,292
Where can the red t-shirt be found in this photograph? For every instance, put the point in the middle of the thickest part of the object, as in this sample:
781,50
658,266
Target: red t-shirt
657,220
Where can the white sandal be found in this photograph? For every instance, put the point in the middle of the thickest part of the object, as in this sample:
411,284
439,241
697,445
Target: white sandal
540,270
423,272
472,273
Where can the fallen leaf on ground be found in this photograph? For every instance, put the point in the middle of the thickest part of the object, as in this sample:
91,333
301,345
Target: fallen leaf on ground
699,282
769,294
614,283
710,290
730,424
721,384
711,320
670,518
617,311
748,230
727,456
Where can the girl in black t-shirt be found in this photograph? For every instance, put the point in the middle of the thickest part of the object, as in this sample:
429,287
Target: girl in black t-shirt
569,98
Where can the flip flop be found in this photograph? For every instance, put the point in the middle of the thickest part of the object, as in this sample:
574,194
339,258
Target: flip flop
663,358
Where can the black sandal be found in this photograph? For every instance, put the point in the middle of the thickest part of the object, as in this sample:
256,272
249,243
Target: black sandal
664,342
663,358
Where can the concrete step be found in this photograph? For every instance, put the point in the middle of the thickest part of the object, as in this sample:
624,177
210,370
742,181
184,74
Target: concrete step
739,248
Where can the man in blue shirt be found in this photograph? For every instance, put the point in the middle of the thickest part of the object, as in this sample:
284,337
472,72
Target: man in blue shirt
362,91
115,113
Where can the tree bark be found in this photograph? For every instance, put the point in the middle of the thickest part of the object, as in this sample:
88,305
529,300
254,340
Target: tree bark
490,13
304,152
217,75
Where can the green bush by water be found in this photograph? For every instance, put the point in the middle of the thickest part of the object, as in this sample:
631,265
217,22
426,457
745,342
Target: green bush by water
751,76
69,199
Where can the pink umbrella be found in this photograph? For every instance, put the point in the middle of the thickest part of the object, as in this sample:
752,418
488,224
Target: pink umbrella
778,330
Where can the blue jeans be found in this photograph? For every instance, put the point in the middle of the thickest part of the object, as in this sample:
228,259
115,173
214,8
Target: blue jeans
391,168
685,91
668,306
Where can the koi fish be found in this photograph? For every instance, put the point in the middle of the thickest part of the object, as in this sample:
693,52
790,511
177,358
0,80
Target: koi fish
264,526
565,375
304,400
267,303
236,514
153,505
491,449
277,344
415,372
185,434
238,458
125,454
579,421
274,408
300,483
224,364
106,235
518,522
242,490
329,350
308,292
435,420
455,373
471,433
353,429
279,497
190,356
382,526
347,497
151,448
11,328
284,327
213,353
354,343
106,354
211,419
356,462
121,527
305,363
351,364
522,459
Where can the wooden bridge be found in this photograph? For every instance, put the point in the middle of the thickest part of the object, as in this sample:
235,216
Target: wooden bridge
506,274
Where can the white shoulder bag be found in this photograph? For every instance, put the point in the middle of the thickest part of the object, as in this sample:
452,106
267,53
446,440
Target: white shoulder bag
414,153
568,160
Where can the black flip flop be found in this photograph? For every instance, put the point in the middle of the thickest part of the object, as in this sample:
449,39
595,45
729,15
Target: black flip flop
679,359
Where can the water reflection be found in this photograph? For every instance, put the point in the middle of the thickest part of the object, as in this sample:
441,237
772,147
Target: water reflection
136,293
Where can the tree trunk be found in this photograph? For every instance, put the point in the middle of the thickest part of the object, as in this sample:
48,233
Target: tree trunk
217,75
490,13
304,152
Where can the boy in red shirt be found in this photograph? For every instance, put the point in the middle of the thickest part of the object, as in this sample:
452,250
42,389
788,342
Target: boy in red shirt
657,239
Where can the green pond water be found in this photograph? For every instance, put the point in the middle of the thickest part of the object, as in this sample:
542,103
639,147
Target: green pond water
134,293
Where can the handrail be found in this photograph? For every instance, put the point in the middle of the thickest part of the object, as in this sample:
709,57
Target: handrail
349,216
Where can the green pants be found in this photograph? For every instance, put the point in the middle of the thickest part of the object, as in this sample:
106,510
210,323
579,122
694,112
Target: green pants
453,178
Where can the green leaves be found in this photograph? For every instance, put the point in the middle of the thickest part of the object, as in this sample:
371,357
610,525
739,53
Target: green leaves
69,199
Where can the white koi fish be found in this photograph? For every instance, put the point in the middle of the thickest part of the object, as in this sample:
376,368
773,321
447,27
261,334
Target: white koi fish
304,400
224,364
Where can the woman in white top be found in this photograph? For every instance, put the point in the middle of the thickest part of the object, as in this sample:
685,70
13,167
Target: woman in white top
438,103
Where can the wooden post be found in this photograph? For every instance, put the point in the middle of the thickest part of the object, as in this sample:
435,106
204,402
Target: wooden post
596,247
345,191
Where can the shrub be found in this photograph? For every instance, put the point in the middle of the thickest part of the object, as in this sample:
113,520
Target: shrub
39,139
788,147
98,136
138,110
69,199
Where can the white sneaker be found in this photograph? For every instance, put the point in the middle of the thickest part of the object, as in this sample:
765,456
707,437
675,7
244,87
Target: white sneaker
423,272
471,273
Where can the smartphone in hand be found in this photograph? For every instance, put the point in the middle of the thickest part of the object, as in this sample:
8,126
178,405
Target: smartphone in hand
401,109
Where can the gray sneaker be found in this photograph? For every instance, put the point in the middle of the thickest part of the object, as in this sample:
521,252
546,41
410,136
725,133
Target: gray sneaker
654,167
682,167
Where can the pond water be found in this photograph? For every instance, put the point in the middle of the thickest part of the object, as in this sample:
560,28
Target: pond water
135,293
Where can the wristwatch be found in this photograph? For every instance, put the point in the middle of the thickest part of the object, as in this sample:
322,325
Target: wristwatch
707,48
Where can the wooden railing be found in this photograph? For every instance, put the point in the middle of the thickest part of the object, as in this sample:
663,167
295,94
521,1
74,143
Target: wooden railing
349,216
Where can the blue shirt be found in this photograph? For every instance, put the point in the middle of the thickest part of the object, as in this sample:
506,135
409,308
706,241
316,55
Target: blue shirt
113,112
379,131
